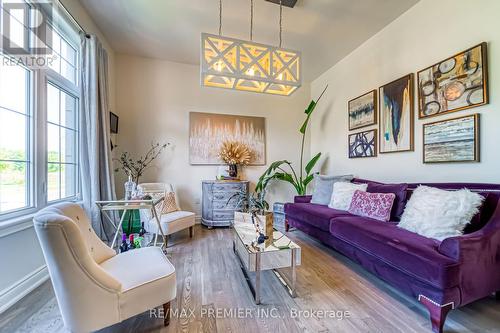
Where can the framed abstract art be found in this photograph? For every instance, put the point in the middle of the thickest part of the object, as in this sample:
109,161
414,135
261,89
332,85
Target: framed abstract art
452,140
457,83
363,144
363,110
396,115
208,131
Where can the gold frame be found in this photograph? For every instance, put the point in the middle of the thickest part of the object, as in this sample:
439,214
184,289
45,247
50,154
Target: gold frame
375,143
484,59
476,139
375,110
412,115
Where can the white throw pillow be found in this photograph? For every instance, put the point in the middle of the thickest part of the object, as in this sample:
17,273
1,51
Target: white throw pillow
342,194
439,214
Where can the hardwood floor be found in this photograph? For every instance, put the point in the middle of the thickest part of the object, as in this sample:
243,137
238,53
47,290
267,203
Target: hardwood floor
209,282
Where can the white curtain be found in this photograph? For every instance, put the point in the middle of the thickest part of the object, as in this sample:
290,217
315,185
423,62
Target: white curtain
95,152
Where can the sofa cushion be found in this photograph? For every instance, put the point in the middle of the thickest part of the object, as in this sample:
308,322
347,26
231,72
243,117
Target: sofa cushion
439,214
411,253
342,194
373,205
318,216
323,187
399,202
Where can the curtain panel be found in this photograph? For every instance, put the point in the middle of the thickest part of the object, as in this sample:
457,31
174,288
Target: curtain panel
95,142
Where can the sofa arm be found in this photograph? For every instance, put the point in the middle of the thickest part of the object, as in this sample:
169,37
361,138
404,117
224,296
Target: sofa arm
474,247
302,199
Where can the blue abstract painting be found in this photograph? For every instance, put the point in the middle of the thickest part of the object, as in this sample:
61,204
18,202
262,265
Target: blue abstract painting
363,144
396,115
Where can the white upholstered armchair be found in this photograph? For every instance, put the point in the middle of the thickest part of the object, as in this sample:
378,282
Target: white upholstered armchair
170,222
94,286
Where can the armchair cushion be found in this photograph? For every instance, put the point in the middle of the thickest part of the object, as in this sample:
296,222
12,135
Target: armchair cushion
172,222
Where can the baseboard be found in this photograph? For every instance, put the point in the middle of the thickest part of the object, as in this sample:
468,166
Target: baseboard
11,295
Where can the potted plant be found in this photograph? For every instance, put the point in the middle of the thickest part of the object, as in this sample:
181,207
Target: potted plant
253,209
278,170
234,153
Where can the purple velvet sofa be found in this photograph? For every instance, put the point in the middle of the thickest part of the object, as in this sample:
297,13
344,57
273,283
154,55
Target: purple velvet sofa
441,275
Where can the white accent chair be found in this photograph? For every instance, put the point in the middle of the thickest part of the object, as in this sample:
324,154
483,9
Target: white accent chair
170,222
94,286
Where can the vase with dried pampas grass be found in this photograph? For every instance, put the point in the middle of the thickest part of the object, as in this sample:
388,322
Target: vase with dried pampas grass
235,153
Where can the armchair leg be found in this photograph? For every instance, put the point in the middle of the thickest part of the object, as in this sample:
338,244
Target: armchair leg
437,312
166,314
287,225
191,231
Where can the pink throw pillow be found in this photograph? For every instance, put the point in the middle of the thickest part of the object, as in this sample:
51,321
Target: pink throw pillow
377,206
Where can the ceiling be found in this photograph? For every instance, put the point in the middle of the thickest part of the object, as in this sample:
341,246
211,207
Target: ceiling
324,30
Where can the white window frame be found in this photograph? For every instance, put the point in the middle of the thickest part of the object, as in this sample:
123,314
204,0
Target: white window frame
37,132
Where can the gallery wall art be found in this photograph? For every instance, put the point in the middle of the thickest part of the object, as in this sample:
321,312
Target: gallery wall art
396,115
363,110
208,131
452,140
457,83
363,144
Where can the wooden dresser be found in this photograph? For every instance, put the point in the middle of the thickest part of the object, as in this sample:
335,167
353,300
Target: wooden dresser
217,210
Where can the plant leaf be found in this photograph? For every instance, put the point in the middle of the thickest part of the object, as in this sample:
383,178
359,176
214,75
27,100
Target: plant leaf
308,180
312,163
310,108
304,126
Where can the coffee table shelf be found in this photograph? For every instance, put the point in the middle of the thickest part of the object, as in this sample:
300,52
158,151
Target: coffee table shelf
274,254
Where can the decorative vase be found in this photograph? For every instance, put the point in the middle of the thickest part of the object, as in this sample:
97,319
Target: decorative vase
233,170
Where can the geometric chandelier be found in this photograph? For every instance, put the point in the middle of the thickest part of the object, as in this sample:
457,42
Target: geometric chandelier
245,65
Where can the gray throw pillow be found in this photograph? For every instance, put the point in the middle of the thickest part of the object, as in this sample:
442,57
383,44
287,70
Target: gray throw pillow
323,187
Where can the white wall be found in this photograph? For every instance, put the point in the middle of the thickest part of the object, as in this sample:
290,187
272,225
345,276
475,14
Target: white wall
154,99
427,33
21,260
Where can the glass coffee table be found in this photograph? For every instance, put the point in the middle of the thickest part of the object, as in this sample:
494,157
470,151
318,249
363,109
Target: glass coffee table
273,254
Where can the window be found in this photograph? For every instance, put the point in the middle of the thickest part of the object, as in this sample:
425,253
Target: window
15,138
62,144
39,127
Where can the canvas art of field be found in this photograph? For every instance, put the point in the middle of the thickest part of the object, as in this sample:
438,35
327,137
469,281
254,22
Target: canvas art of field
208,131
363,110
452,140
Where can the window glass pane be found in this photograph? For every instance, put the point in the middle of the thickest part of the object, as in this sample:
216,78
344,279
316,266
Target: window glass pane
68,146
53,181
12,136
52,143
68,71
68,110
17,28
13,185
13,87
53,104
68,53
68,180
56,42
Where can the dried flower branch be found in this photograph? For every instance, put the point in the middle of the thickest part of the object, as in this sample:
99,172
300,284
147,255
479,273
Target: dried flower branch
234,153
136,168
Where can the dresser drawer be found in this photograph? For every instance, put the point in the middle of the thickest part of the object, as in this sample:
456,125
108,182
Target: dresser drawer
224,196
220,214
234,187
232,204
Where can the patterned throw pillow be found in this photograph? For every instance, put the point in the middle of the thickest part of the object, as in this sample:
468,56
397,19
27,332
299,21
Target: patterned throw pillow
377,206
169,204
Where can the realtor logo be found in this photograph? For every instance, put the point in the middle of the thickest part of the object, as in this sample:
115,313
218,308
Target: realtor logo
25,28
